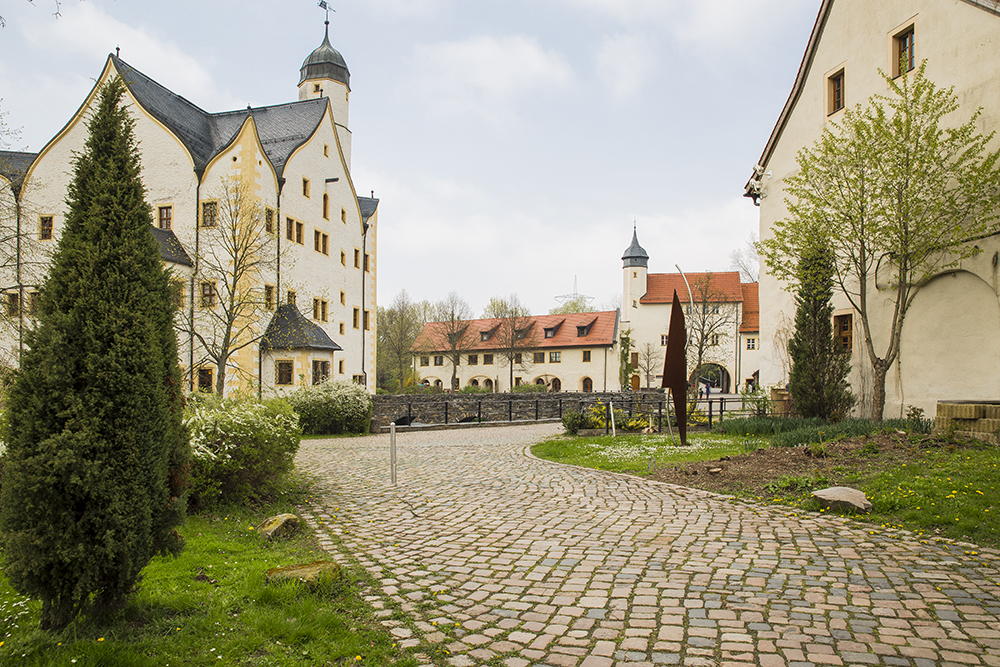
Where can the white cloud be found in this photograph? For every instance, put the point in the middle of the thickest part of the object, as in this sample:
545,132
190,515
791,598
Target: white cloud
484,75
84,30
715,27
624,62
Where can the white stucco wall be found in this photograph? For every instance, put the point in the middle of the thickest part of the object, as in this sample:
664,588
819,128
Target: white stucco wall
961,44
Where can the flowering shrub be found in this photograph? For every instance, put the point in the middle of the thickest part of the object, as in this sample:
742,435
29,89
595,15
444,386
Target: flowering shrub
596,417
241,449
333,407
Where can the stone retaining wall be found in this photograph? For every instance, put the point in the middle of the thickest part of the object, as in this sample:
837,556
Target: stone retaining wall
453,408
968,419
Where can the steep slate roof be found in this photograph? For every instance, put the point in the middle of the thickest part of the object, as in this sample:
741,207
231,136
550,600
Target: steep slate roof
603,330
991,6
368,206
751,309
290,330
14,165
171,249
282,128
635,255
724,287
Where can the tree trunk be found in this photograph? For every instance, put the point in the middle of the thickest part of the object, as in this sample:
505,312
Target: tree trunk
220,379
880,370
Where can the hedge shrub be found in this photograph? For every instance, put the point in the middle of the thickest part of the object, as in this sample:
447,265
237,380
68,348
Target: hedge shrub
241,449
333,407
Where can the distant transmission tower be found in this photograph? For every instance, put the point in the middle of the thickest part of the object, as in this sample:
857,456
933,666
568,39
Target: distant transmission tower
563,298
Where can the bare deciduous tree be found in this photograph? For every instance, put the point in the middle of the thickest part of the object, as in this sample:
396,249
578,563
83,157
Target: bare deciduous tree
746,260
515,335
236,254
453,314
709,321
398,328
650,360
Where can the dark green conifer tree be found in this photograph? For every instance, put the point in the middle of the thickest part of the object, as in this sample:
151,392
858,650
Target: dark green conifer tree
96,454
818,378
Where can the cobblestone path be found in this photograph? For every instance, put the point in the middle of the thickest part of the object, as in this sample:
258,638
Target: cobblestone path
497,558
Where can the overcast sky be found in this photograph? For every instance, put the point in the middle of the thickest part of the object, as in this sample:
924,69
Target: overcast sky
512,143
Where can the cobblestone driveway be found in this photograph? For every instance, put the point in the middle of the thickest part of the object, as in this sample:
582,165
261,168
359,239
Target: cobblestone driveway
498,558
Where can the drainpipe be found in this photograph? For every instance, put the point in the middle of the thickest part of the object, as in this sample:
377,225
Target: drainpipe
364,271
194,276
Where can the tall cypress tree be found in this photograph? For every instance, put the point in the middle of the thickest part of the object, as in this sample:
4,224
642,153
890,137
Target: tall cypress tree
818,378
95,447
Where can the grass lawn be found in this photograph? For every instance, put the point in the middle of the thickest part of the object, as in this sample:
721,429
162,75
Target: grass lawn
211,606
631,453
932,486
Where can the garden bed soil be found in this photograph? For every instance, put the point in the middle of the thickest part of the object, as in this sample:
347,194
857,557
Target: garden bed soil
776,471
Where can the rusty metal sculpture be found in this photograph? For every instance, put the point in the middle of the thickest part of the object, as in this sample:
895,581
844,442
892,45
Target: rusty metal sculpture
675,366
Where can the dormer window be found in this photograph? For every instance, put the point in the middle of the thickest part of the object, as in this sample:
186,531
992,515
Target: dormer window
486,335
550,332
583,331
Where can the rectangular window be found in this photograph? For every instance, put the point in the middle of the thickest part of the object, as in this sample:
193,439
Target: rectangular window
11,304
343,298
843,327
836,92
289,229
517,358
283,373
715,309
315,309
555,357
45,228
538,358
292,298
340,367
905,51
321,242
205,383
358,379
343,258
299,228
269,220
473,359
663,340
341,328
487,360
635,360
305,187
586,356
751,343
323,309
425,361
33,298
357,258
269,297
438,360
357,318
209,214
208,295
179,289
321,371
713,339
367,260
326,150
518,381
165,217
343,215
367,320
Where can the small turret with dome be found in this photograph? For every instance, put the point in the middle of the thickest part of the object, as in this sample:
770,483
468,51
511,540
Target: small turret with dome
324,74
324,66
635,263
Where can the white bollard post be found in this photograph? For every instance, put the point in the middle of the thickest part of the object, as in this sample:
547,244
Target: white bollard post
392,452
611,409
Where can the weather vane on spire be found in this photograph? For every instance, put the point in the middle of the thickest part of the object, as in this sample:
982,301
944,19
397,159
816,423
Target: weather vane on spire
323,5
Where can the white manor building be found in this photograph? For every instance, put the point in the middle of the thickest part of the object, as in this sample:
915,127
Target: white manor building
317,306
723,320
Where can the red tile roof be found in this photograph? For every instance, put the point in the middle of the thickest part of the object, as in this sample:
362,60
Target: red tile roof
724,287
603,330
751,309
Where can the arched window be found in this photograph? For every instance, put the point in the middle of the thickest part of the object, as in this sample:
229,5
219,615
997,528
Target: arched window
473,383
556,384
437,383
326,206
540,381
588,384
488,384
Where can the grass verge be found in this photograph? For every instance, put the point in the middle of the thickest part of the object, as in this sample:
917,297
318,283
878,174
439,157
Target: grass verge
631,453
211,606
932,486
